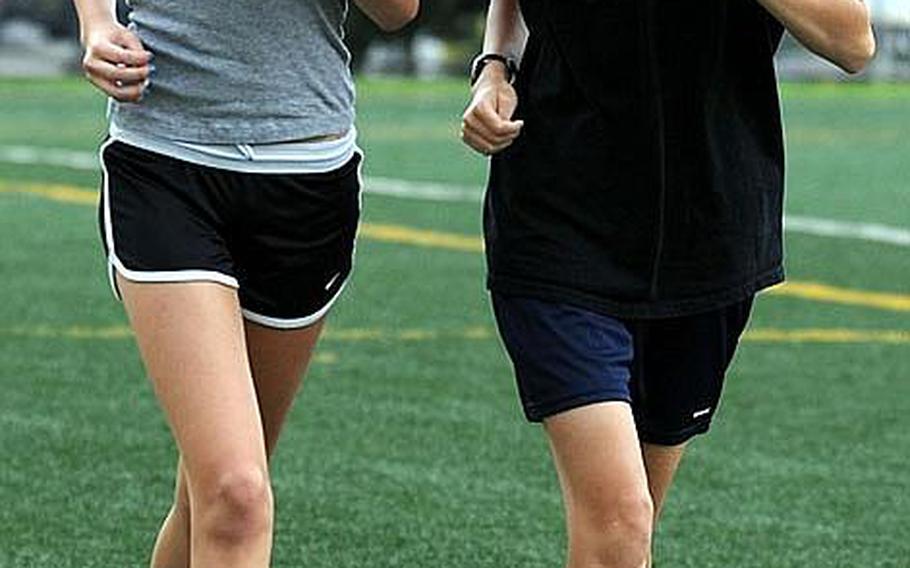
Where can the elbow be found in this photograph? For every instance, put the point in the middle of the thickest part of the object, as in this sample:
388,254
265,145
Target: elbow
856,47
856,56
404,13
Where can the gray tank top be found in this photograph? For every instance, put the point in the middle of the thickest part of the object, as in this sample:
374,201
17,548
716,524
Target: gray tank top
242,71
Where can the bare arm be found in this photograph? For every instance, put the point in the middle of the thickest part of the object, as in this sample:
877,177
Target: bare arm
115,60
390,15
487,125
838,30
506,32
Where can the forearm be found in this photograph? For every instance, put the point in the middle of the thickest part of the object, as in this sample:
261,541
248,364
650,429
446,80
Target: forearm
390,15
93,13
506,32
838,30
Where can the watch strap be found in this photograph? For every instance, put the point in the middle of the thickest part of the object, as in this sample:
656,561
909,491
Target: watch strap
484,59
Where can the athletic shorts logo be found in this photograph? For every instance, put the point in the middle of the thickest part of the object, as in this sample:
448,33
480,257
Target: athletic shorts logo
701,413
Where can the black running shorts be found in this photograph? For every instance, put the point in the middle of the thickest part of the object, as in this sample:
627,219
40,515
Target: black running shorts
670,370
284,241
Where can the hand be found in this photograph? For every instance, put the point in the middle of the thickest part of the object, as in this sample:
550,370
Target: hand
116,62
487,125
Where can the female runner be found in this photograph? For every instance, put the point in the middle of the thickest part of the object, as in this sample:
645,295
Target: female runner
229,209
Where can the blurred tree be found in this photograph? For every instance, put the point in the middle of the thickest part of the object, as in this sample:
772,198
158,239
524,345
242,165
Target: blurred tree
58,16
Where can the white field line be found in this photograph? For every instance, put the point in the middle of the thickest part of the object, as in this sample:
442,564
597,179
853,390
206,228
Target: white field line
847,230
34,156
429,191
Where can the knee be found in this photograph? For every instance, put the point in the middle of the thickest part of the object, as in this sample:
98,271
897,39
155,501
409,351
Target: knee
620,535
237,504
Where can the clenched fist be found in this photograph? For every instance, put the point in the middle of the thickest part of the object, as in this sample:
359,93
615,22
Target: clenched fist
116,62
487,124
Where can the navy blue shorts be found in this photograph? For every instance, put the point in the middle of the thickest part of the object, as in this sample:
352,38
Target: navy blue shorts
670,370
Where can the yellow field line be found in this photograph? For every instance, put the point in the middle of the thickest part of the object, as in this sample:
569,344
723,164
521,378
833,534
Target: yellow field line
70,332
824,293
772,335
62,193
477,333
421,237
466,243
377,232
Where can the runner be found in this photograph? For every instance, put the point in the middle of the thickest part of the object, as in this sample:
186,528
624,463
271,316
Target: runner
633,212
229,209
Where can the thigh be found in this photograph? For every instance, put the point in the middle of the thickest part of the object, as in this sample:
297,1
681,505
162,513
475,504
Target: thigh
279,360
191,339
598,458
679,369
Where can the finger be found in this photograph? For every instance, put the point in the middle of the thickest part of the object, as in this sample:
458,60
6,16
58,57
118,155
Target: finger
474,124
490,137
500,147
483,136
486,148
506,103
476,142
129,93
113,73
487,137
482,128
479,146
484,111
122,93
492,122
482,145
129,40
115,54
496,123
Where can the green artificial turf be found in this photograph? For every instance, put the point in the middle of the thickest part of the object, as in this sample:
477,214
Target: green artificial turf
407,448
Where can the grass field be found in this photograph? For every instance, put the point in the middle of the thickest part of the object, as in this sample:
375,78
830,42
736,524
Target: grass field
407,448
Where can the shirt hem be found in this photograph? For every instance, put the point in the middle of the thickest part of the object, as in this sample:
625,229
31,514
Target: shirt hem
301,158
239,132
656,309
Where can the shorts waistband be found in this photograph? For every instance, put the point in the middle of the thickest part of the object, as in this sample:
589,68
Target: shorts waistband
297,157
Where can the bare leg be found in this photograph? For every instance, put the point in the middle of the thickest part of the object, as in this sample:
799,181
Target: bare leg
279,360
192,340
172,548
609,514
661,463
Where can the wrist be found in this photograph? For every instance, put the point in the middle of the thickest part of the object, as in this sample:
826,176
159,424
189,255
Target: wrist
494,72
493,65
94,24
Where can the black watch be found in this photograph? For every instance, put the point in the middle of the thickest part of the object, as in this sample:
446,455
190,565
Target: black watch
483,59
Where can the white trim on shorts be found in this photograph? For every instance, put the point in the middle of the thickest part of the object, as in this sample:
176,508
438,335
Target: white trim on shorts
115,265
294,323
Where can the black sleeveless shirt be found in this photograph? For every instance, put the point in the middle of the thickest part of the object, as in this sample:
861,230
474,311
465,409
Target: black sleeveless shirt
648,179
